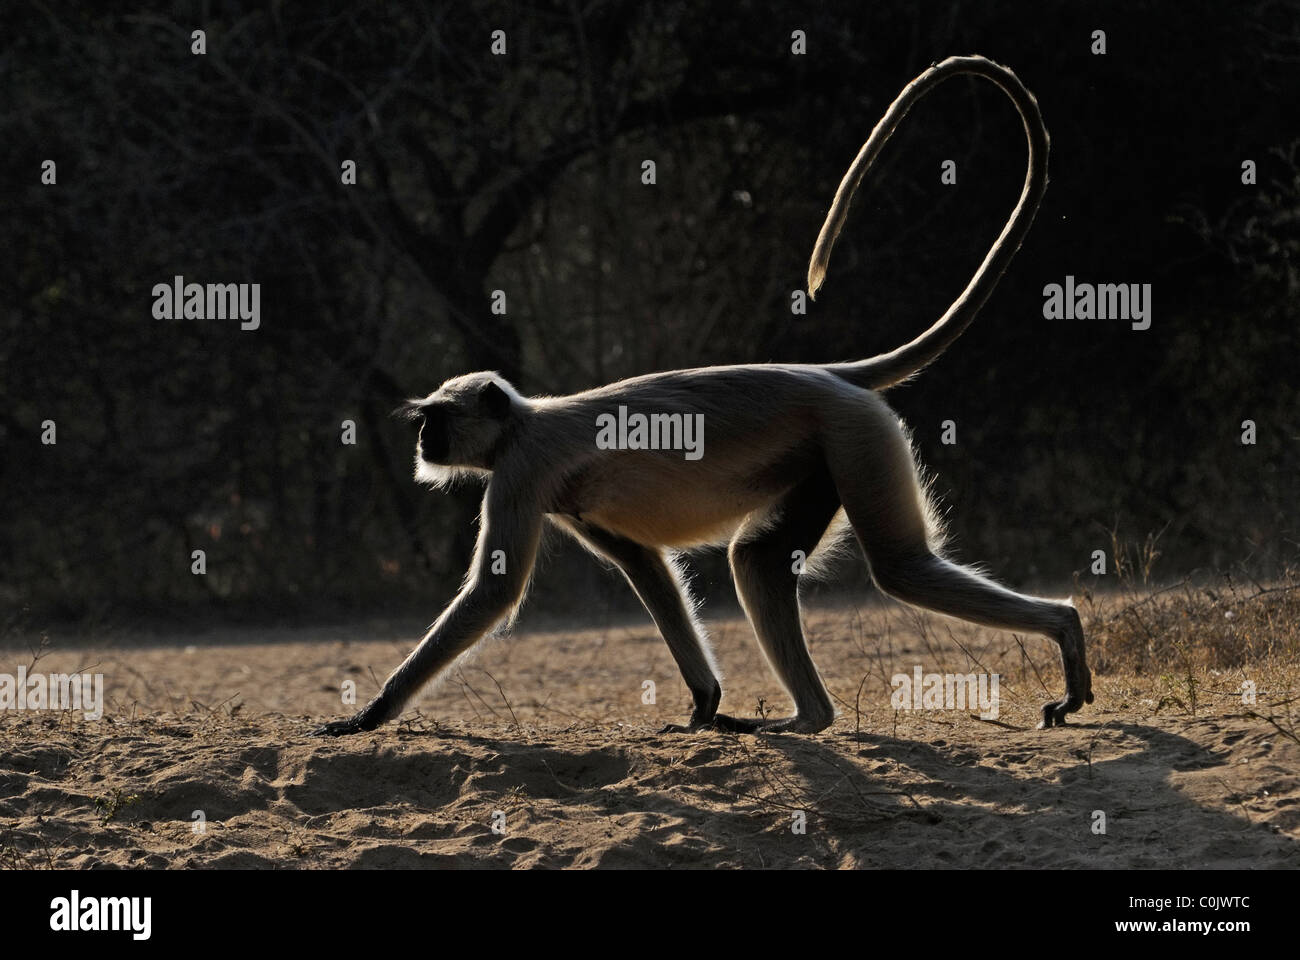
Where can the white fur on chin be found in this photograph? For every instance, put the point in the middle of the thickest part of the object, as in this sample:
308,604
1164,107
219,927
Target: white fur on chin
434,474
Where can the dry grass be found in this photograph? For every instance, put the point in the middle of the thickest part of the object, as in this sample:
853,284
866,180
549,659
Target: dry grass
1221,625
1227,638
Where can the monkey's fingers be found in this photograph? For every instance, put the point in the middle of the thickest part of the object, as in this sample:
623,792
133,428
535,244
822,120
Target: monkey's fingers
339,728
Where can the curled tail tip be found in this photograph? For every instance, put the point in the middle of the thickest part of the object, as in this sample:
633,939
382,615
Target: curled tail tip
816,276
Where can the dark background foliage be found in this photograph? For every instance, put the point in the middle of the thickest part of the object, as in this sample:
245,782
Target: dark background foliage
522,173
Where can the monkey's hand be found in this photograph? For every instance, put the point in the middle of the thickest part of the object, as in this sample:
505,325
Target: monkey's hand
366,719
338,728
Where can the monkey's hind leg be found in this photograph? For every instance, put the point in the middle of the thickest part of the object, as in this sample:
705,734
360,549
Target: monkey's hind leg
764,563
665,597
885,504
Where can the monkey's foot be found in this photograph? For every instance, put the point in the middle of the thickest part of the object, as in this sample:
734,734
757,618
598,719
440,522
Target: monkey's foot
729,724
1055,711
795,724
695,726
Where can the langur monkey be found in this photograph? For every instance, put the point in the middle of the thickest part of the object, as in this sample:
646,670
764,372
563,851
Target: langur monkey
788,447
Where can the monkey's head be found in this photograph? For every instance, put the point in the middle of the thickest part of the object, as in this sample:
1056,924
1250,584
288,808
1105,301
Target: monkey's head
462,425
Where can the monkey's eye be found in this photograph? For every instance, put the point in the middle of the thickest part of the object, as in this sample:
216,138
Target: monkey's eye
433,418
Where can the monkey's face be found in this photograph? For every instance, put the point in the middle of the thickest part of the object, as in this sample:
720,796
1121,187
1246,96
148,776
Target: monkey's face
461,426
434,442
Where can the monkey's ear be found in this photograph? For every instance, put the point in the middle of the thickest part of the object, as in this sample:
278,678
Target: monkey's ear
495,400
410,410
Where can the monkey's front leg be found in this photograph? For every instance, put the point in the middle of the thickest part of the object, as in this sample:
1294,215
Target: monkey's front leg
471,615
503,561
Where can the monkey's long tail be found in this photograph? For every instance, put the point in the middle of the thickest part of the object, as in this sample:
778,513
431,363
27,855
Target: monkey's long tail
891,368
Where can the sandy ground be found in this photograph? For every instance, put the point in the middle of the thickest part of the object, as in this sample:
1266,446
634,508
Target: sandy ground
546,735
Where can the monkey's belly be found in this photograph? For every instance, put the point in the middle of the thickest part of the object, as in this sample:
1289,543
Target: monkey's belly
662,501
685,519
